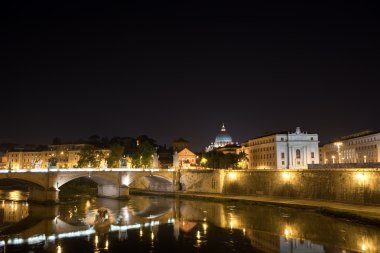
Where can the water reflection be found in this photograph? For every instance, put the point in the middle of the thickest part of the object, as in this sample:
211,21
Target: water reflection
12,212
14,195
149,224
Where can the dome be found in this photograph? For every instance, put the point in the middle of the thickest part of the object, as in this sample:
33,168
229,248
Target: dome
223,138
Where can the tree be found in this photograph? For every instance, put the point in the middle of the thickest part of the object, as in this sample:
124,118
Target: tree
145,138
104,142
218,160
242,160
116,140
180,144
52,161
89,157
94,140
143,157
116,154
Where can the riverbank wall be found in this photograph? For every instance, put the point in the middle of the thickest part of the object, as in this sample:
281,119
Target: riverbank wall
354,186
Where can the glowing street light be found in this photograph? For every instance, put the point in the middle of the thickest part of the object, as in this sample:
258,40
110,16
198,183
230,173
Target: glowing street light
365,159
333,158
338,144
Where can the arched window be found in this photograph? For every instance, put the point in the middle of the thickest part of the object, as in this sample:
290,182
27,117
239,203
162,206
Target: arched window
298,154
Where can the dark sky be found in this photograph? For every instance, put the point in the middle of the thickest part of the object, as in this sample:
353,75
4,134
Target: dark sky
72,70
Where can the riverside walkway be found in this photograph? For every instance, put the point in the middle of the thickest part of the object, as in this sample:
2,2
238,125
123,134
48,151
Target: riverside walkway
361,213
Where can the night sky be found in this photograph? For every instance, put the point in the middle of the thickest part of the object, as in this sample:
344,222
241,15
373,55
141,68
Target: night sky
180,71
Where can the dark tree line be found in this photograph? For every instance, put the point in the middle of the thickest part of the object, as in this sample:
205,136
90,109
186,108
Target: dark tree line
129,143
218,160
140,150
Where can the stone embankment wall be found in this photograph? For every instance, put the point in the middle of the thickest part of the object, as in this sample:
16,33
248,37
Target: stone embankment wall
343,185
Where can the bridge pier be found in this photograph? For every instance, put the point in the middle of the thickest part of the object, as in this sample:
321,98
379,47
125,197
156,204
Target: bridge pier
113,191
44,196
123,192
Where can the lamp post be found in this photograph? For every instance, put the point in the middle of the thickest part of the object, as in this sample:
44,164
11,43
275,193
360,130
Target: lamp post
338,144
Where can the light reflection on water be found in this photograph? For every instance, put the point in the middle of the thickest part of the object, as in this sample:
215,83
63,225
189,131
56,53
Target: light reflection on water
153,224
14,195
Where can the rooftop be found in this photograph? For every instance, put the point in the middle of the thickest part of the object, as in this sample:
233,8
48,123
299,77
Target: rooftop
354,135
298,130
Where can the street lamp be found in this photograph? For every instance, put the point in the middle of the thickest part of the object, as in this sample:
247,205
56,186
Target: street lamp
333,158
365,159
338,144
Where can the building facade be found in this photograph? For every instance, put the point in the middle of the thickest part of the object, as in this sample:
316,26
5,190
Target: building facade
185,159
229,149
282,150
3,161
65,155
362,147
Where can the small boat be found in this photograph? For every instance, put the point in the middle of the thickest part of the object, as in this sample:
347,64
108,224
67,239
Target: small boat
102,220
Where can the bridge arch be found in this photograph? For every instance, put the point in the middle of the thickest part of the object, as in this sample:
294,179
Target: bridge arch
108,182
148,181
39,187
27,182
100,180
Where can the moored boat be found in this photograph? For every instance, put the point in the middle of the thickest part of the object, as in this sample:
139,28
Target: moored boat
102,220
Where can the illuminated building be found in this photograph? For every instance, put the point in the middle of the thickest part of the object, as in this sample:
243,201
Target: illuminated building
282,150
221,140
185,159
3,161
362,147
229,149
67,156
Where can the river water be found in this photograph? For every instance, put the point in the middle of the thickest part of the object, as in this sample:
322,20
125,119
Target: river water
157,224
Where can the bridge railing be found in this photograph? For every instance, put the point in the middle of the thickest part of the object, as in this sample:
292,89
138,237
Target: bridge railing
84,170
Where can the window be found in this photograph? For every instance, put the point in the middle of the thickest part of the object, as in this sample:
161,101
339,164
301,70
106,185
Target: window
312,138
312,154
298,154
283,162
282,139
298,163
282,155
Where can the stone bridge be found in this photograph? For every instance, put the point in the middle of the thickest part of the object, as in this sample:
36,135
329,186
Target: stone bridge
113,183
353,185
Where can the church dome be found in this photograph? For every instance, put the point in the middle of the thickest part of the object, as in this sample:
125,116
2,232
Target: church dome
223,138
